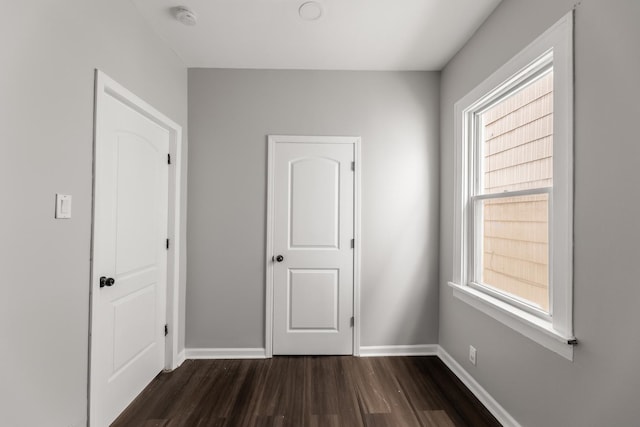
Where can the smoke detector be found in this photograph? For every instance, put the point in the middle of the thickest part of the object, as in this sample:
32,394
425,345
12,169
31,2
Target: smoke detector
185,15
310,11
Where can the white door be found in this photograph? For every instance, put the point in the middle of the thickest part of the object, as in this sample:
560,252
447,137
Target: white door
313,261
129,257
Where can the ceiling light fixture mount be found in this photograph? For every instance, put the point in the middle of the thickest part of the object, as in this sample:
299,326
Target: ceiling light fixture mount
310,11
185,15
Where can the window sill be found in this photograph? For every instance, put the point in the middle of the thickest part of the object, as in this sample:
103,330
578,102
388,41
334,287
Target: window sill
534,328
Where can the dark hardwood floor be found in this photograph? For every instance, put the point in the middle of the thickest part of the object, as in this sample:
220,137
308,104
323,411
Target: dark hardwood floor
322,391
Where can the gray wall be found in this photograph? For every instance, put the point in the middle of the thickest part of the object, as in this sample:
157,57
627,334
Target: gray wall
539,388
49,52
230,114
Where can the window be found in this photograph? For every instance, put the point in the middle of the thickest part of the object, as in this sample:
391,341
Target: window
514,181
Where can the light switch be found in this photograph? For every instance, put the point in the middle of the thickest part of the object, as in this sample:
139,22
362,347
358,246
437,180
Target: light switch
63,206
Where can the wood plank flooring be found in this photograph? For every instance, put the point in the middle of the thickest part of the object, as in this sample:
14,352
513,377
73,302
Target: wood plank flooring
308,391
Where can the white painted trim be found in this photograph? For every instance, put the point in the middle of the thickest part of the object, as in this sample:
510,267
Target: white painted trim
272,140
483,395
106,86
181,358
562,243
399,350
559,40
357,234
529,325
225,353
174,256
268,340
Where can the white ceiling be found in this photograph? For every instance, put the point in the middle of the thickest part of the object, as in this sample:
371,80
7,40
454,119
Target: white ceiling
350,35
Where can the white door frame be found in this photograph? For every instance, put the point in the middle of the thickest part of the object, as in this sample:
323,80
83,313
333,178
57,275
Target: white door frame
272,141
104,87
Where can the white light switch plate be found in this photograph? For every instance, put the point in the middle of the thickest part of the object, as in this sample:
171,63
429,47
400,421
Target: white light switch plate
63,206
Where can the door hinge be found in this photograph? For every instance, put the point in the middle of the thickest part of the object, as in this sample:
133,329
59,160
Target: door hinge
167,243
166,330
169,158
353,166
353,321
353,243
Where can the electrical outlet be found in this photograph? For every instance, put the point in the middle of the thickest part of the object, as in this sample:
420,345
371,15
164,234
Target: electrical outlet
472,355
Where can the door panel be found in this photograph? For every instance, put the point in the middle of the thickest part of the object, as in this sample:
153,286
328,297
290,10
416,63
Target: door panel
130,228
139,169
314,220
313,300
133,335
312,230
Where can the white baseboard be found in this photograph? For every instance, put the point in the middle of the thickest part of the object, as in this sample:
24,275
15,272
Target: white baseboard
483,396
225,353
180,359
177,361
399,350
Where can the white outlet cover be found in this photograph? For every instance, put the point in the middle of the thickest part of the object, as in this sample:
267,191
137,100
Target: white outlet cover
472,355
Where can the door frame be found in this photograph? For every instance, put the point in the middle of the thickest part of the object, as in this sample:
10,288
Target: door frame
107,87
272,141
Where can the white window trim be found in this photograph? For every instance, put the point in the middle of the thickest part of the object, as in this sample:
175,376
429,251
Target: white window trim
555,333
